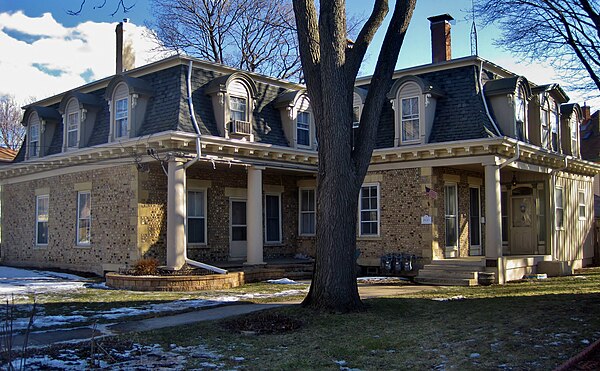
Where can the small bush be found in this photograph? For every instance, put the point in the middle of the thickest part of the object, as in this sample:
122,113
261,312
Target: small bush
144,267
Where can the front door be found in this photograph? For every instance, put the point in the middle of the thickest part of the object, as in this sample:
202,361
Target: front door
237,229
523,236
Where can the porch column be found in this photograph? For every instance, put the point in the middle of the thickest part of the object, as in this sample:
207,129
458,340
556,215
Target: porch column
254,216
176,213
493,221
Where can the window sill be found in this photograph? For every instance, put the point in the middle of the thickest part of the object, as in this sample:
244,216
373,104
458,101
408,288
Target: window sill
274,244
369,238
306,236
40,247
88,246
197,246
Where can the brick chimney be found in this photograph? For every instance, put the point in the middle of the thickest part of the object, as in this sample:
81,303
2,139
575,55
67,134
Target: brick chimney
125,56
441,45
585,112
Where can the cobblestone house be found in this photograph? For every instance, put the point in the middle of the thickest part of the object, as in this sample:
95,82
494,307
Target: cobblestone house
471,160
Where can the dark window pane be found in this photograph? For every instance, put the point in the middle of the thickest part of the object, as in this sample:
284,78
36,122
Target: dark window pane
42,233
196,231
238,233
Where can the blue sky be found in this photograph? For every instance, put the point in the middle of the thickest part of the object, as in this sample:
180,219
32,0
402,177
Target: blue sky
61,51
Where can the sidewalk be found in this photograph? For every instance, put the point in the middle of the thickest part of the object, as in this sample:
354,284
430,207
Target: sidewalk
45,338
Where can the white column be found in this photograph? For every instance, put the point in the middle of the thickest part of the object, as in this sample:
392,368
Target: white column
493,220
254,216
176,214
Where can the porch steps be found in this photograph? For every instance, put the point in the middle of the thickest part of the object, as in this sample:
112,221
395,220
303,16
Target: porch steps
450,272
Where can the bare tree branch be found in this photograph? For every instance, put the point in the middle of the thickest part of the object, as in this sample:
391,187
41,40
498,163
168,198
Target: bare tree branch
565,33
11,130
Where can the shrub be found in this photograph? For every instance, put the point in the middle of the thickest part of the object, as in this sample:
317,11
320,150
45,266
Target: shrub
144,267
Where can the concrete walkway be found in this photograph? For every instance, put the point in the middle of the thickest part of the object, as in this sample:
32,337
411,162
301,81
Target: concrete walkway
49,337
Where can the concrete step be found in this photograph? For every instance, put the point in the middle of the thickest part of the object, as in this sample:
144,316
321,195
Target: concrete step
435,273
448,267
458,261
446,281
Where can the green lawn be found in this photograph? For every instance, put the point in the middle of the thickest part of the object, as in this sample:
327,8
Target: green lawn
519,326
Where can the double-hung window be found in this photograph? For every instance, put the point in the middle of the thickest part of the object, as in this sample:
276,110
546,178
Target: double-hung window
308,212
554,128
559,209
273,218
410,119
369,210
41,219
84,218
196,217
303,128
121,118
545,132
574,132
581,204
237,105
72,129
34,140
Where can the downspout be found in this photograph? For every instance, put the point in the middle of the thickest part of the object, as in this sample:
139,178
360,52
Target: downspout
487,110
193,117
190,163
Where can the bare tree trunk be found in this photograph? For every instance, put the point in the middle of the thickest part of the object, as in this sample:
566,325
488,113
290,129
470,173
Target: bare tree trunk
330,68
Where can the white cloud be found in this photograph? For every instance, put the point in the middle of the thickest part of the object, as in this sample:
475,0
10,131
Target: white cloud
72,53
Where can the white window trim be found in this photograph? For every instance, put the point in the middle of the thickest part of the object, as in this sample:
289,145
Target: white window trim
562,190
457,216
37,202
246,113
279,197
579,205
78,211
205,211
39,140
114,118
310,125
300,212
401,122
360,209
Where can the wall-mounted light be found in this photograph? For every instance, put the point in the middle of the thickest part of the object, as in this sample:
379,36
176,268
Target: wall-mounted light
514,180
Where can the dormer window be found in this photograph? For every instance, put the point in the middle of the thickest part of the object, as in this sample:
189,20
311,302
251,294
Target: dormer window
303,129
121,118
72,129
410,119
574,128
520,116
34,138
355,117
545,127
554,127
239,114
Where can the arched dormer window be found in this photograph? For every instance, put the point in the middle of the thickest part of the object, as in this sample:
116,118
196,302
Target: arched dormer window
570,120
41,123
521,123
233,102
358,102
127,98
72,123
297,119
33,131
544,121
574,131
413,100
79,112
120,118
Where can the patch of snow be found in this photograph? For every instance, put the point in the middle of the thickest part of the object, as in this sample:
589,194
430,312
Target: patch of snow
23,281
474,355
284,281
452,298
585,341
340,362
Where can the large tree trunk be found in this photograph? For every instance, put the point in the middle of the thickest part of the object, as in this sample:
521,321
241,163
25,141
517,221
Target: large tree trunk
330,69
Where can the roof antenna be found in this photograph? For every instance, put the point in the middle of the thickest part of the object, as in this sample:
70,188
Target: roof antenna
474,49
